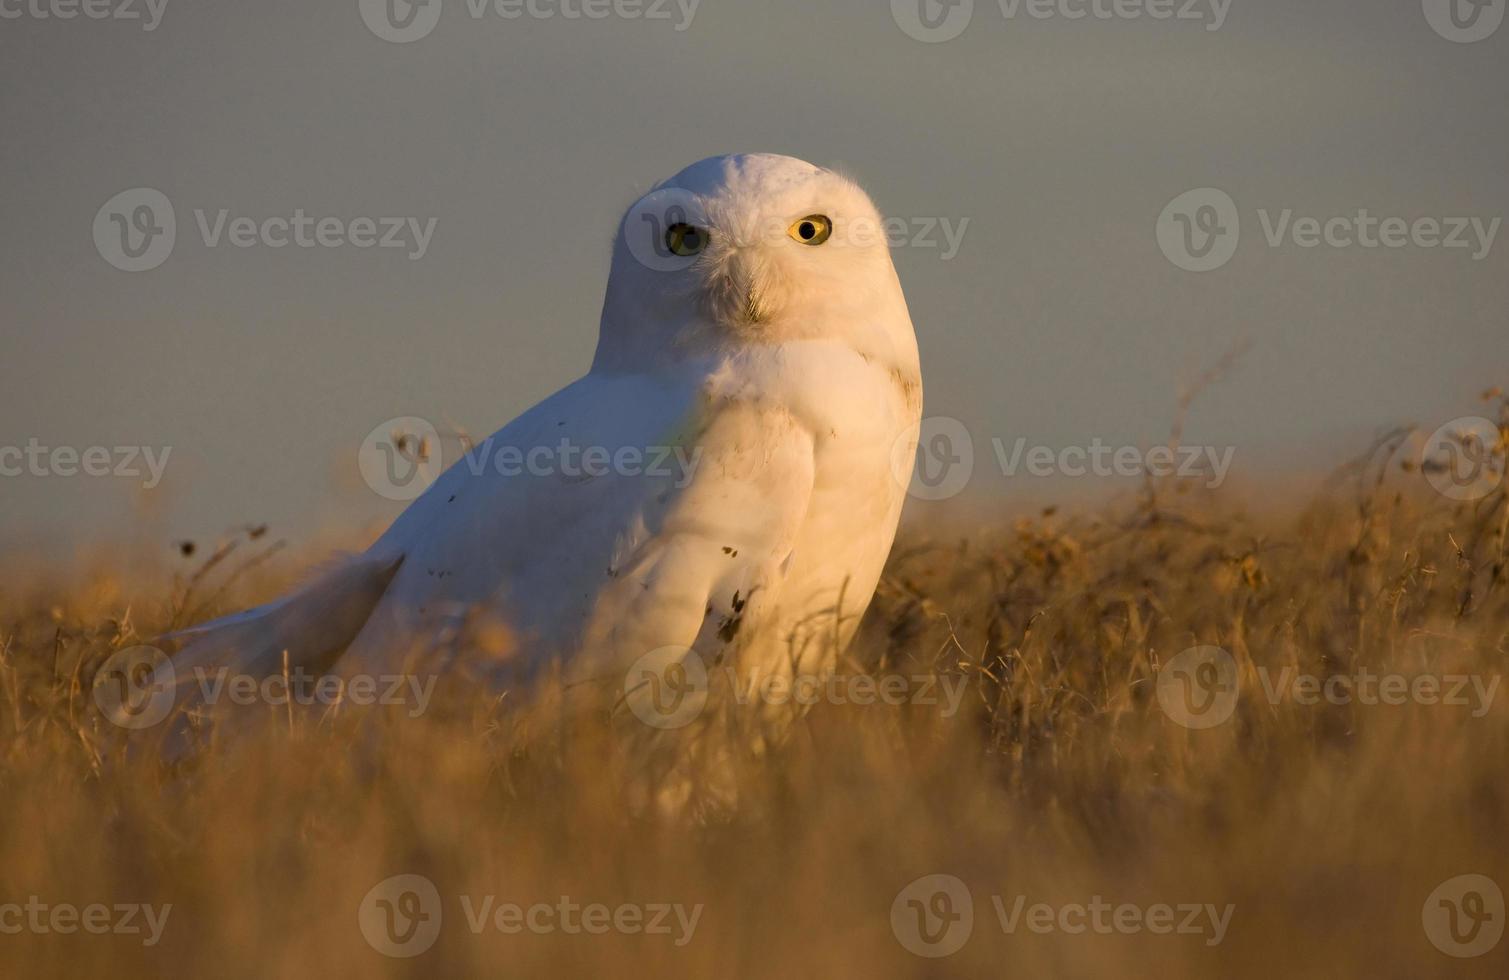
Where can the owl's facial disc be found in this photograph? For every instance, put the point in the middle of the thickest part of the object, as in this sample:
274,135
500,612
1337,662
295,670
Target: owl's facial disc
740,264
752,248
756,259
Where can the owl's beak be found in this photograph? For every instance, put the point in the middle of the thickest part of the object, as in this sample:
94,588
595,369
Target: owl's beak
751,311
735,290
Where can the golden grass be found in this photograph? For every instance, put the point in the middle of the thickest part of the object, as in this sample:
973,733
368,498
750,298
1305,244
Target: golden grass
1061,779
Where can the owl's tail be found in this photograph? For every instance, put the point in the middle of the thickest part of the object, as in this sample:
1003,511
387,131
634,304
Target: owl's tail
304,632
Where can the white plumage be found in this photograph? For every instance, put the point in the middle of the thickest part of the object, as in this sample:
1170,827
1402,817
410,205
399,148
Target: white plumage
786,374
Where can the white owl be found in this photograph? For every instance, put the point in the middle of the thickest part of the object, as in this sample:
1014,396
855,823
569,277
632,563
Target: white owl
752,411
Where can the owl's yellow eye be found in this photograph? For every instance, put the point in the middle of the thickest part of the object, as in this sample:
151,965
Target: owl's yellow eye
684,239
811,230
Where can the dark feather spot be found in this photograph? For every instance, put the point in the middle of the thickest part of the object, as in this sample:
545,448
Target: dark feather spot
729,628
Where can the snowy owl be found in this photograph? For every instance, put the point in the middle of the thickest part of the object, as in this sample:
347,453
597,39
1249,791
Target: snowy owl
754,333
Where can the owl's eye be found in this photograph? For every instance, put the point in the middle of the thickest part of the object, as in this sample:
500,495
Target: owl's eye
684,239
811,230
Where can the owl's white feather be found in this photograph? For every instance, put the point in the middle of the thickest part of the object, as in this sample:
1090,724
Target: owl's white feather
786,375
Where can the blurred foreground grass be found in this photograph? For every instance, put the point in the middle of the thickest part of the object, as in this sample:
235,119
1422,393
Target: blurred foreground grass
1062,776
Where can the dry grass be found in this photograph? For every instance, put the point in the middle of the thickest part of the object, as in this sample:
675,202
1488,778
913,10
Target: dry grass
1326,826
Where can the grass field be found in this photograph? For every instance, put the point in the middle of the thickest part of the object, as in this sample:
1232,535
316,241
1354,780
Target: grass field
1309,833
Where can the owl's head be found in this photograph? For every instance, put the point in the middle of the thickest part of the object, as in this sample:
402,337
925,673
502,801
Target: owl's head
751,249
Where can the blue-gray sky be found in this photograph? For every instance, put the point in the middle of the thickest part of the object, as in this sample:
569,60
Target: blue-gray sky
1059,140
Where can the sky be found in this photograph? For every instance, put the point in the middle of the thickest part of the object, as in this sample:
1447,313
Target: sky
1062,279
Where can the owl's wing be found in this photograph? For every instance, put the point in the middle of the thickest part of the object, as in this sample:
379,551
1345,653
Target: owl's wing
676,531
715,563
